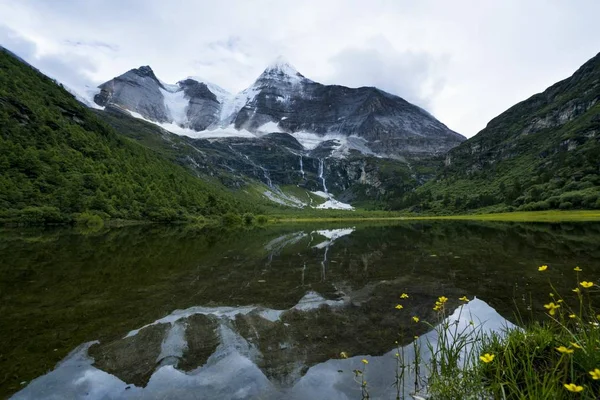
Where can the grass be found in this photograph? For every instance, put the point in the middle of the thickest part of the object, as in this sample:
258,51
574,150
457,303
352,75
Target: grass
554,359
521,216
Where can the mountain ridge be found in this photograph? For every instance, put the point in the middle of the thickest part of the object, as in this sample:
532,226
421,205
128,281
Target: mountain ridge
542,153
281,99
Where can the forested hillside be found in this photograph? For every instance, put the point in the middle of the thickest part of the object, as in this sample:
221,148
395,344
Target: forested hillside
58,160
543,153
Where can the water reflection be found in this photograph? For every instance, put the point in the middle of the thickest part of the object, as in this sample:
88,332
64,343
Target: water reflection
235,369
249,292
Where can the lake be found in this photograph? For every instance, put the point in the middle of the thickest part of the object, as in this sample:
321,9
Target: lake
180,312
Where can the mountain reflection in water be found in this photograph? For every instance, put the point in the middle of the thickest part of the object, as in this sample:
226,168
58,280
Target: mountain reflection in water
182,312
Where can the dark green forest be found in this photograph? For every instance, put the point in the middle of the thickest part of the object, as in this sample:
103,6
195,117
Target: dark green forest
59,162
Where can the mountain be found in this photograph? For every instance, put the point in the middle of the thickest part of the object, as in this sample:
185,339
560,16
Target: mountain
59,160
540,154
283,100
276,166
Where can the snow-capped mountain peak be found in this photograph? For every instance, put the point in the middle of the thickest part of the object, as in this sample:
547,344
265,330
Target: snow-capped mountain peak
283,100
281,69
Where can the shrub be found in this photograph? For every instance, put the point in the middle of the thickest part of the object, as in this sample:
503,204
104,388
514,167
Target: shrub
41,215
589,200
565,205
248,218
537,206
231,219
164,214
262,219
573,198
88,219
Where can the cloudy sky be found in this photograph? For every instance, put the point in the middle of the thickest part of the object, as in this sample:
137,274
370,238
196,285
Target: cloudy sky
464,61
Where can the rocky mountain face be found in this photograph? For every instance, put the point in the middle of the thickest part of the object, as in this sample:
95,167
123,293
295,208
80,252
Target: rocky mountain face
389,124
280,162
283,100
137,90
541,153
287,130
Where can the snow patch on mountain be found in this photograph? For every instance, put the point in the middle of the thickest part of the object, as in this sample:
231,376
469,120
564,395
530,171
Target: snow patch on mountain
341,148
311,141
333,204
176,104
269,127
85,95
170,87
226,132
233,104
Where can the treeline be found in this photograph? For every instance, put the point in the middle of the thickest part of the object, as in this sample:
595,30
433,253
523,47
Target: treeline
544,193
58,160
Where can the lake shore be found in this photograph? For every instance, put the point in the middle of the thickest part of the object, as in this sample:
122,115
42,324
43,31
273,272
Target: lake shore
520,216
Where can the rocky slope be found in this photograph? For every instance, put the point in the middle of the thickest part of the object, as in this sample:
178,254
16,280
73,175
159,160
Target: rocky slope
541,153
283,100
283,169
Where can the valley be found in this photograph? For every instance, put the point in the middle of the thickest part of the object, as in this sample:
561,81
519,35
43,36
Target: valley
182,219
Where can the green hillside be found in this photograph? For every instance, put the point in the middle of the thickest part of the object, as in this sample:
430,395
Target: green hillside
58,160
543,153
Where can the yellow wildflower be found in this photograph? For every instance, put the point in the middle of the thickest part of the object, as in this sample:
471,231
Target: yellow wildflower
576,290
564,350
560,301
416,319
343,354
571,387
551,307
586,284
543,268
404,296
487,358
364,361
464,298
397,355
551,294
572,316
595,374
442,299
577,346
437,308
399,306
416,337
577,269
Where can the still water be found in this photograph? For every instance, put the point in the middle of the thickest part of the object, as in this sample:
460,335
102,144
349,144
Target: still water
175,312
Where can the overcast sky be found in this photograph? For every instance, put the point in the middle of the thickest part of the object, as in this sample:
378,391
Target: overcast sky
463,61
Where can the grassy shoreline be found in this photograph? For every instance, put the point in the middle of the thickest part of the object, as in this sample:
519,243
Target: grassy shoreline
336,216
520,216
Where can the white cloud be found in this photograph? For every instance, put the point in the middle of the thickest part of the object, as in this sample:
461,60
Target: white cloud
464,61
